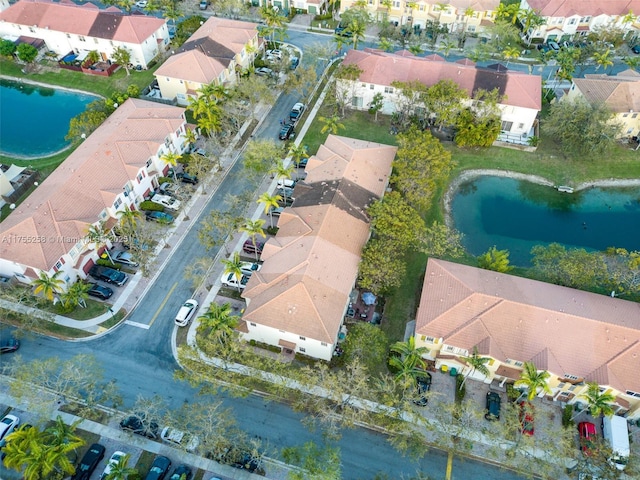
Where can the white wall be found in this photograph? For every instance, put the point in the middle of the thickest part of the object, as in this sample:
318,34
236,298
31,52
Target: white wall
271,336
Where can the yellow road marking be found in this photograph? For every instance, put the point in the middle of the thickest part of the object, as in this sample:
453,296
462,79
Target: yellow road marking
449,466
164,302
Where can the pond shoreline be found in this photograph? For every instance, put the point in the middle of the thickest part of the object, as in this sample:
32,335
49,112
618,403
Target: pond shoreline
467,175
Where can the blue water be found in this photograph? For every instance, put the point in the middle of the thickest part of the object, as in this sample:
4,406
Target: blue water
517,215
35,120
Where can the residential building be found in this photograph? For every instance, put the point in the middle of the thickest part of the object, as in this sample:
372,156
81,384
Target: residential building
568,19
522,92
313,7
214,54
114,168
576,336
298,299
457,15
66,27
620,93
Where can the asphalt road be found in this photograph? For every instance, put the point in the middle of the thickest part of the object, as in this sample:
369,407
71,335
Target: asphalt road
142,363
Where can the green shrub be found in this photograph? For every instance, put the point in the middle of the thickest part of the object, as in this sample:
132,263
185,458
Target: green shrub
567,413
271,230
162,180
325,16
461,390
512,392
105,262
148,205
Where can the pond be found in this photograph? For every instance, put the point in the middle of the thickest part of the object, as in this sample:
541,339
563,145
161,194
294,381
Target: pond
517,215
34,120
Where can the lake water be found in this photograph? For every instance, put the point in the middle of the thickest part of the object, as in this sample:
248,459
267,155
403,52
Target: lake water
517,215
34,120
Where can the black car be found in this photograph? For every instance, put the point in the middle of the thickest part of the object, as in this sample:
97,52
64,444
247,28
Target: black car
636,49
248,247
286,132
99,291
138,424
187,178
302,162
343,31
423,385
159,468
493,406
179,472
89,462
9,345
109,275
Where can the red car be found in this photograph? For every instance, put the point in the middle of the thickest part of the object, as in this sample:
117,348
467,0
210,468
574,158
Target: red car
526,418
588,434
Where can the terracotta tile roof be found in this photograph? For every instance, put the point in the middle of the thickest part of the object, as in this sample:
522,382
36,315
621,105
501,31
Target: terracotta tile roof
621,93
477,5
87,182
563,330
382,68
567,8
84,19
209,51
310,266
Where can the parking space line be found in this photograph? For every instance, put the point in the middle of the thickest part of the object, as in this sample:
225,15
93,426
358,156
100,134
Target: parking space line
166,298
449,466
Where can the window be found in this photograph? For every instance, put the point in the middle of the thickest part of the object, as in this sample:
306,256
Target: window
561,385
572,21
81,38
149,163
68,35
388,89
167,142
635,115
324,344
140,177
58,266
32,30
520,126
371,87
252,324
570,377
302,338
302,349
586,19
471,28
629,131
96,41
506,126
117,203
518,364
625,115
632,393
427,339
564,394
357,102
396,4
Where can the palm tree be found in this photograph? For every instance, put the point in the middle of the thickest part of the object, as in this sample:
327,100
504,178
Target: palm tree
509,53
600,403
385,44
219,320
121,469
63,434
282,173
269,202
190,136
297,153
128,220
171,158
331,124
416,49
75,295
533,380
48,285
477,363
253,229
99,237
446,45
631,62
408,362
234,266
357,29
603,59
272,18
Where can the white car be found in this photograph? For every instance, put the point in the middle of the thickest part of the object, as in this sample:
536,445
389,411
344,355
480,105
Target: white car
8,425
264,71
166,201
248,268
113,461
169,188
273,55
186,312
230,280
141,3
286,182
178,437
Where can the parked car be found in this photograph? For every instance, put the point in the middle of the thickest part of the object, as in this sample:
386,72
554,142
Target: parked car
636,49
159,468
284,192
187,178
182,472
180,438
587,431
138,424
543,47
423,384
273,55
294,62
8,425
285,202
286,132
141,3
493,406
109,275
276,211
230,280
166,201
296,112
248,268
89,462
264,71
9,344
343,31
187,310
113,461
553,45
526,418
286,183
169,188
123,257
204,4
159,217
301,163
99,291
248,247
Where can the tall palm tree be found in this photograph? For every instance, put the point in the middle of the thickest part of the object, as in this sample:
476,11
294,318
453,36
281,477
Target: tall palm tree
331,124
603,59
128,220
234,266
533,380
48,285
97,235
408,360
357,29
171,158
190,136
297,153
272,18
282,173
385,44
253,228
62,434
477,364
509,53
121,470
75,295
269,202
600,403
220,322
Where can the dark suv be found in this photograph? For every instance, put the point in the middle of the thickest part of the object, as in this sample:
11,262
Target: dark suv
138,424
286,132
89,462
493,406
423,385
248,247
109,275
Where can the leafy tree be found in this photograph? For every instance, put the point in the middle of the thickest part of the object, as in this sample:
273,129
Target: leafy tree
217,228
26,52
282,172
623,270
234,266
600,403
253,228
218,321
347,86
476,364
48,285
407,361
533,380
420,166
574,268
7,48
603,59
84,124
396,221
582,130
260,157
272,18
496,260
376,105
75,295
381,269
441,241
407,96
367,344
300,80
385,44
444,100
122,57
474,131
315,462
62,434
297,153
